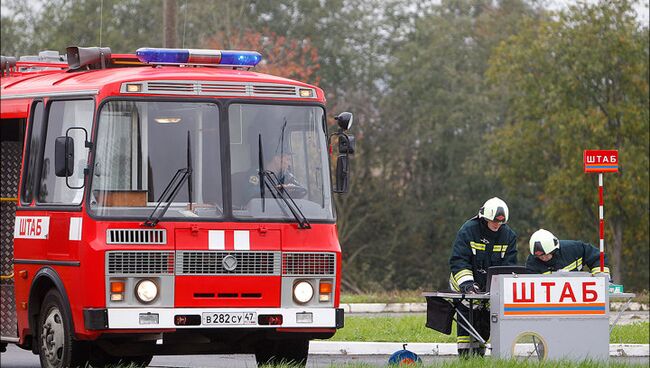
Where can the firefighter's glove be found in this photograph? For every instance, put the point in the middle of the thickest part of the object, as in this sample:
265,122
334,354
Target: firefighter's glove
469,287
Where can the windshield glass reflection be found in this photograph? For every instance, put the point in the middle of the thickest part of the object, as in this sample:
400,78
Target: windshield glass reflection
141,146
288,142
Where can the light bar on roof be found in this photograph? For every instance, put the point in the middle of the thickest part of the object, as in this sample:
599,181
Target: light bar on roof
198,57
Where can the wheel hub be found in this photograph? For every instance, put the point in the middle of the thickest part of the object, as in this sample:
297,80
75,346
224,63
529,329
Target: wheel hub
52,335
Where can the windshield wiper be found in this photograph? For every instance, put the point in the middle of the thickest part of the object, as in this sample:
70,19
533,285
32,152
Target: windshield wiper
278,190
169,193
270,180
261,170
189,167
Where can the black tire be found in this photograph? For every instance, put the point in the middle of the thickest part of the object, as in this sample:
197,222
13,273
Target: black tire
293,352
55,336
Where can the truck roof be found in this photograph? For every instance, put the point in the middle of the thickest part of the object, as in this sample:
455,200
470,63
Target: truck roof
108,81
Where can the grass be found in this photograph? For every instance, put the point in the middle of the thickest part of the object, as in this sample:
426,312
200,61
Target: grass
480,362
415,296
411,328
408,328
493,363
642,297
636,333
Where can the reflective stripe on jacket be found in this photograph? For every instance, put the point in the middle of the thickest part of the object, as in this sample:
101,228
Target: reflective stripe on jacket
573,255
477,248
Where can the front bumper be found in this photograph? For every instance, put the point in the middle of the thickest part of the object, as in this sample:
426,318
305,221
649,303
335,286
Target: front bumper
130,318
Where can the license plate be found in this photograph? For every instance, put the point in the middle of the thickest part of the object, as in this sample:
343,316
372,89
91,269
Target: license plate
230,319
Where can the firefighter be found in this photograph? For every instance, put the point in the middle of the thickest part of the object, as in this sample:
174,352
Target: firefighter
548,254
483,241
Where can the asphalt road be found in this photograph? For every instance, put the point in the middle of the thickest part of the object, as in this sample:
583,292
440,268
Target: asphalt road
15,357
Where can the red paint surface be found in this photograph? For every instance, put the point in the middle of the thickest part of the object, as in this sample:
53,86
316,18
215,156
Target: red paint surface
85,284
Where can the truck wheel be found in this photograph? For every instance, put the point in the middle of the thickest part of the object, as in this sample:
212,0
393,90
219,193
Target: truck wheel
293,352
56,343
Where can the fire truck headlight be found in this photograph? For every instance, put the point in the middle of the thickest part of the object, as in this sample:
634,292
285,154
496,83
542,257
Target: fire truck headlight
146,291
303,292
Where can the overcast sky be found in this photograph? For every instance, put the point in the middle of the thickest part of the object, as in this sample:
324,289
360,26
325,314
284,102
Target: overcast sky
641,7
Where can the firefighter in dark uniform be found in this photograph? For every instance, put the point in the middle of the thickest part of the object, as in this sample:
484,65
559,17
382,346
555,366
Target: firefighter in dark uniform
481,242
548,254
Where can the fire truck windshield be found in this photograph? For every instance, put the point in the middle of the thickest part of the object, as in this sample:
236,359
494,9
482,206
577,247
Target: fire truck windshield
140,146
290,143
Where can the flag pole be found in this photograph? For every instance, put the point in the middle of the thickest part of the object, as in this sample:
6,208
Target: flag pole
601,211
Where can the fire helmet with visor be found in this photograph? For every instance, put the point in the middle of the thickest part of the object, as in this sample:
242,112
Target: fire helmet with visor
494,209
543,242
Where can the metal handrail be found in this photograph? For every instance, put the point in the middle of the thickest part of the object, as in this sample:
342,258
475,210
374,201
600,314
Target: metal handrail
7,199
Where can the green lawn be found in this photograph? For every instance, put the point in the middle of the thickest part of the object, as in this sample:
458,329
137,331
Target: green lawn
490,363
411,329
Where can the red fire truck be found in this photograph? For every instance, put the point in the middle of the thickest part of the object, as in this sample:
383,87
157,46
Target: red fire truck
169,201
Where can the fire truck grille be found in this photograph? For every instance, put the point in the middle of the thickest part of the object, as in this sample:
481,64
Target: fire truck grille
140,263
170,87
309,264
227,263
274,90
210,88
136,236
223,89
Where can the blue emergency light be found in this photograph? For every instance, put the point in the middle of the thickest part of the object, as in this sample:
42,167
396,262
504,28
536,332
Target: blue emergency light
198,57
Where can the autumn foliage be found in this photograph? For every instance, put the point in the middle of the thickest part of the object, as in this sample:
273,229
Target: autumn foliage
281,56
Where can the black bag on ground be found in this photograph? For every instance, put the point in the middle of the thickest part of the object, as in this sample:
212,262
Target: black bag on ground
440,313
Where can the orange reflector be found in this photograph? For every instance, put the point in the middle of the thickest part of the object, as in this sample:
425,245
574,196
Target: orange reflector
117,287
325,287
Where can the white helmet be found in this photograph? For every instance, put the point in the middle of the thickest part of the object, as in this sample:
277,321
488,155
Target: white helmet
543,242
494,209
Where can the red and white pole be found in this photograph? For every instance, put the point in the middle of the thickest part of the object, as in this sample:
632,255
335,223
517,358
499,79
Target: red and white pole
600,161
602,222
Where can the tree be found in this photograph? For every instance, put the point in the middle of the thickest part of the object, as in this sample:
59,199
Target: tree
423,152
574,83
123,25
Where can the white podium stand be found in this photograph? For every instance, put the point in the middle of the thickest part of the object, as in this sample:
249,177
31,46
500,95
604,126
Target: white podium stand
558,316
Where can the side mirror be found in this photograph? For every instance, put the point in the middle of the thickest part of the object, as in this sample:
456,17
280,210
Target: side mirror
342,174
346,148
346,143
64,156
344,120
